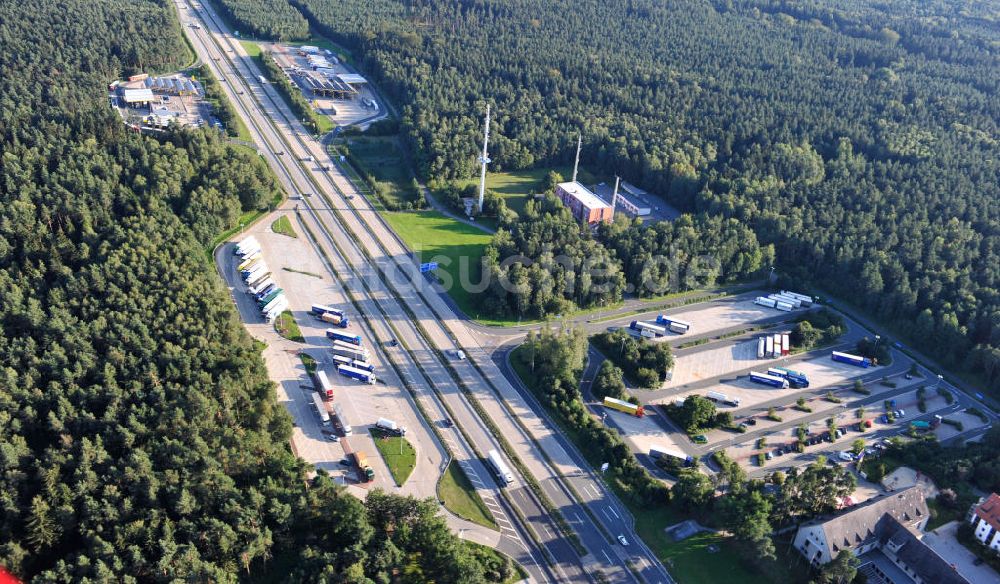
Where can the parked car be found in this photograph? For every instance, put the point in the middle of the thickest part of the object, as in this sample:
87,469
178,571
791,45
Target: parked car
768,456
700,439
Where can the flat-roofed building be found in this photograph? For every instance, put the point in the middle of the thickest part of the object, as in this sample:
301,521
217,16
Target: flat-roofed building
137,97
583,203
626,203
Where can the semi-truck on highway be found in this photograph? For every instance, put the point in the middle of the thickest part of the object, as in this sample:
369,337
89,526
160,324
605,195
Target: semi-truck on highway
850,359
675,325
624,406
323,385
500,468
648,328
390,427
722,398
766,379
343,337
355,373
365,470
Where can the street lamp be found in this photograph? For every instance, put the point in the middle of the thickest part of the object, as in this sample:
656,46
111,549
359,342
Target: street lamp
875,348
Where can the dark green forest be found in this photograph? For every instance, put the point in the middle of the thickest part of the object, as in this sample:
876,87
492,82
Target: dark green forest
140,438
859,139
274,20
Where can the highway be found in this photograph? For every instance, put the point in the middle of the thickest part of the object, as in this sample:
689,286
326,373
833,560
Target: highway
366,281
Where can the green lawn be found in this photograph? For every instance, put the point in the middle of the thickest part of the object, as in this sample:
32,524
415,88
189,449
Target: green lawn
515,186
252,48
398,454
308,362
435,237
461,498
382,158
286,326
283,226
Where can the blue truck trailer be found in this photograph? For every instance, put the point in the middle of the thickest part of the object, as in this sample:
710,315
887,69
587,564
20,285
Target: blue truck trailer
766,379
850,359
345,337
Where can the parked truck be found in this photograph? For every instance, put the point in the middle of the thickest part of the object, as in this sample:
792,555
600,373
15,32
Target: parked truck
365,470
786,344
806,300
355,373
624,406
344,337
390,427
769,346
278,304
334,319
761,347
783,306
656,330
320,309
797,379
363,365
795,302
340,420
764,301
673,324
767,379
352,354
850,359
246,246
723,398
265,300
323,385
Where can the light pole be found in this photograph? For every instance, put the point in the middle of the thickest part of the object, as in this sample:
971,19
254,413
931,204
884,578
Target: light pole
875,348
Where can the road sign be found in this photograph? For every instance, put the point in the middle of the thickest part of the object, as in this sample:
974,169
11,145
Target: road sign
428,267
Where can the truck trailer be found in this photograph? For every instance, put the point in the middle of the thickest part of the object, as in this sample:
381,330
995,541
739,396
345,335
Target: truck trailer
261,284
246,246
360,350
266,299
274,303
669,455
767,379
363,365
624,406
639,326
323,385
355,373
783,306
365,470
341,421
334,319
319,309
806,300
761,347
795,379
324,415
764,301
786,344
722,398
345,337
675,325
390,427
248,261
850,359
769,346
795,302
500,468
352,354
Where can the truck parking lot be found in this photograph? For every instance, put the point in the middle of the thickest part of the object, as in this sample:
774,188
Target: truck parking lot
301,274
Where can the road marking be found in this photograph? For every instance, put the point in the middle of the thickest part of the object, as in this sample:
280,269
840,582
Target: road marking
605,511
613,512
610,561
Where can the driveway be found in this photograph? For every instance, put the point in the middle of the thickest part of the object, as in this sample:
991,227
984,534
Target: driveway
942,540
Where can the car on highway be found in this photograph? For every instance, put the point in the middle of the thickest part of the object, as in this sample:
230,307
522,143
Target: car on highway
280,152
622,540
699,439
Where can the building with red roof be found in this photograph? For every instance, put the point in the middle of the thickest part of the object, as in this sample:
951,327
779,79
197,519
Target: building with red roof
985,520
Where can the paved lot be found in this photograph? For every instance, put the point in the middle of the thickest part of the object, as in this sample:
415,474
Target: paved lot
362,404
821,371
942,540
343,111
721,359
719,314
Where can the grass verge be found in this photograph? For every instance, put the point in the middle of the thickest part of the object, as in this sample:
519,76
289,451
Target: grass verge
381,159
398,454
286,326
461,498
308,362
517,186
283,226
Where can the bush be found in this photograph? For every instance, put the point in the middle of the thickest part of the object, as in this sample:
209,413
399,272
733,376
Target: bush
859,387
646,364
953,423
647,378
947,395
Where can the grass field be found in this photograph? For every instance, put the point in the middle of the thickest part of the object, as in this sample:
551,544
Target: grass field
252,48
398,454
435,237
382,158
286,326
283,226
461,498
308,362
517,185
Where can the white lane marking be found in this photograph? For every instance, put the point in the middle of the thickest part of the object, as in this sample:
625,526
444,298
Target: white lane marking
613,512
607,556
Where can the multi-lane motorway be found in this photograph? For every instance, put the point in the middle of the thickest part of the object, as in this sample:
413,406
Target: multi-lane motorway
379,275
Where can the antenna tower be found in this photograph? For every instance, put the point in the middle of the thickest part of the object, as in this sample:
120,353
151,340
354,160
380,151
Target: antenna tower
484,159
579,142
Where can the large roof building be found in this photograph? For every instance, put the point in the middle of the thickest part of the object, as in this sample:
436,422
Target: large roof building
583,203
985,520
885,533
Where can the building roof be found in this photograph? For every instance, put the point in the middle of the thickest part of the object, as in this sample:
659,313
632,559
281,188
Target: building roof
605,191
584,195
137,95
915,554
859,525
989,511
352,78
